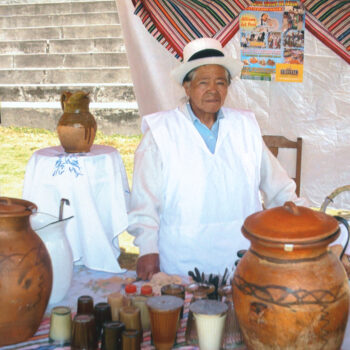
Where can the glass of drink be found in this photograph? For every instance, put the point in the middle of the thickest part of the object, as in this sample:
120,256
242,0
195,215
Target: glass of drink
210,316
164,313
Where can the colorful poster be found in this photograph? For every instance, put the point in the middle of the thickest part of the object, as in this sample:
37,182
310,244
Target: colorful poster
272,41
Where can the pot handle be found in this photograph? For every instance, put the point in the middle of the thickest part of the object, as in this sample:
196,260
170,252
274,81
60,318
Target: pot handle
62,202
64,97
346,224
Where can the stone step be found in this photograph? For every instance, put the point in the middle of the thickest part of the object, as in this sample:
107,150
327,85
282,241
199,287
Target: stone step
99,45
64,32
59,20
111,118
54,8
65,76
75,60
101,93
50,46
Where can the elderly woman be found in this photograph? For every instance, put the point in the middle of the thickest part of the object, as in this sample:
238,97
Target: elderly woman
199,171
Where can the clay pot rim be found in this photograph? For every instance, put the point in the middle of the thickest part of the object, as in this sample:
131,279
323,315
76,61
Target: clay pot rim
196,287
28,207
297,242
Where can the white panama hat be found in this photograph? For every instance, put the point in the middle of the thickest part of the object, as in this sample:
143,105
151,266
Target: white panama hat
201,52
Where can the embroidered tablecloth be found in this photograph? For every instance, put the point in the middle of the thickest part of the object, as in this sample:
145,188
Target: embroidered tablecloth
95,183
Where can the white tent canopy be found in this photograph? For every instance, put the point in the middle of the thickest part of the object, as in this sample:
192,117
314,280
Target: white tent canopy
318,110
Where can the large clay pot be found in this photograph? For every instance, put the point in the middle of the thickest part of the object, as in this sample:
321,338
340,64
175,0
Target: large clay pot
289,290
77,127
25,273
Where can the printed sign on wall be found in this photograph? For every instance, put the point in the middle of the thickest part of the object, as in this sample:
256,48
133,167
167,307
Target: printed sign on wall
272,37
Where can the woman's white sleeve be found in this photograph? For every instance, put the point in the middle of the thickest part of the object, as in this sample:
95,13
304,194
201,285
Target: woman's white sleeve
145,199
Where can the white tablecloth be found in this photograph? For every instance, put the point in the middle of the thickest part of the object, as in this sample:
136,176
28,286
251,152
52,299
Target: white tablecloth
96,186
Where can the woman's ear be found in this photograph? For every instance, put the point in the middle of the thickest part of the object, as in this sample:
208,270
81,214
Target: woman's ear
186,86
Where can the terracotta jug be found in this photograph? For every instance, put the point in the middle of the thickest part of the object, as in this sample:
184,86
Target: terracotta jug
289,290
77,127
25,272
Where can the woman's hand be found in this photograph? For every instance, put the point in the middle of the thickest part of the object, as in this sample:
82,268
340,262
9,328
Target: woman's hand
147,265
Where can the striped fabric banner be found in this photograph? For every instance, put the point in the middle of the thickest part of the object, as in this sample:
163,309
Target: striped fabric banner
329,21
174,23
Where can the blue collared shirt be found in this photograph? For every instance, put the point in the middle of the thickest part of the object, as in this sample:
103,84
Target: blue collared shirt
209,136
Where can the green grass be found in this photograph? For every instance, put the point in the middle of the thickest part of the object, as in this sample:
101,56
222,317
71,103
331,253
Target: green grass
18,144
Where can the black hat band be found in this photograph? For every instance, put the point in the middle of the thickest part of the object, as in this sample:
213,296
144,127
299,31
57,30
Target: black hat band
206,53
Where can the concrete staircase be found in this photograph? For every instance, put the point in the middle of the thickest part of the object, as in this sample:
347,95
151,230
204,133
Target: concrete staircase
48,46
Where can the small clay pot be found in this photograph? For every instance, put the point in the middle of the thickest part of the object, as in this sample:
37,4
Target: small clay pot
77,127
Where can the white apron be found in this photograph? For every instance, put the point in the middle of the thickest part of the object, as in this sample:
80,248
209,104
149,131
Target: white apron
206,196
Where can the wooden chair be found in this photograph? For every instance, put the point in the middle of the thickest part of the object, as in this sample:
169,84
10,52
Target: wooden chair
274,142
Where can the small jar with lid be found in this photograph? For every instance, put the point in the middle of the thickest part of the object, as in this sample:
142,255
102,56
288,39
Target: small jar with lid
147,290
130,292
140,302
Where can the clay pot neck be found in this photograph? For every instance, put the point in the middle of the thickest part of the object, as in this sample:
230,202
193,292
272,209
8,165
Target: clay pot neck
75,103
285,251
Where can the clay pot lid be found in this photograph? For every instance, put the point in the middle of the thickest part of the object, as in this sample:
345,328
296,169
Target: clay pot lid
290,224
16,207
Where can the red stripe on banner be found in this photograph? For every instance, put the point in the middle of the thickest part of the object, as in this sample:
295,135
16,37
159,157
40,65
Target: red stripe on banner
230,35
341,29
240,5
311,26
145,18
228,32
339,20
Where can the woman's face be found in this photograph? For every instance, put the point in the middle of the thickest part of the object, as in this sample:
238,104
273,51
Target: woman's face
208,89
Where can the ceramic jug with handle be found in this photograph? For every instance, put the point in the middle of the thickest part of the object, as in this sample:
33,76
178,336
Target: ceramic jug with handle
77,127
25,272
52,232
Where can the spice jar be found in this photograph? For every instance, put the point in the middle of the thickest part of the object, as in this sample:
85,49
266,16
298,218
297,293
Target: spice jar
147,290
130,291
140,302
116,301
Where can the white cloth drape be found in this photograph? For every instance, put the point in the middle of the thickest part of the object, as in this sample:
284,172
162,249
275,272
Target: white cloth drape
96,186
316,110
